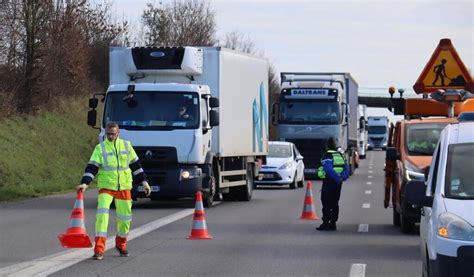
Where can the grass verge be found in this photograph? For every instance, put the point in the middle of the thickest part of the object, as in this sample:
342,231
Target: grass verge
46,153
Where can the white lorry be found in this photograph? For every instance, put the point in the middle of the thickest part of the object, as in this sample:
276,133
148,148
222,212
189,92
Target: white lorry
378,132
362,130
314,107
197,118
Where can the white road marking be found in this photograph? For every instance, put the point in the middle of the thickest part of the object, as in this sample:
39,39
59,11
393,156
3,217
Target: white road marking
363,228
366,205
369,183
370,176
59,261
368,192
370,172
357,270
370,167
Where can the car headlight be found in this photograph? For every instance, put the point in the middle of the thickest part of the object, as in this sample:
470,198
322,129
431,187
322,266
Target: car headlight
413,173
286,165
453,227
191,173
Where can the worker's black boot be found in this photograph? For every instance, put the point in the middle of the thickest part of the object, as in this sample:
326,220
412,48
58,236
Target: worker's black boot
332,226
324,227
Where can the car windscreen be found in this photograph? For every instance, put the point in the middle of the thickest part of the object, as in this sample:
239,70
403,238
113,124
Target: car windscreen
460,171
153,110
279,151
421,139
309,112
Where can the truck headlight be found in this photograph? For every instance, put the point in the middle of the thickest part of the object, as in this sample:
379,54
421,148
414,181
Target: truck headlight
413,173
453,227
191,173
286,165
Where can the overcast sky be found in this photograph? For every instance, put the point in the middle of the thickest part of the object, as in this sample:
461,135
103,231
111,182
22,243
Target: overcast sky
381,43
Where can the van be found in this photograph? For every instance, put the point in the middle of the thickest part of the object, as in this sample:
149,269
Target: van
447,200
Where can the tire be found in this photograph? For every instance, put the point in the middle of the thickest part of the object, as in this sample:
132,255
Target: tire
208,197
293,184
244,193
301,183
396,217
425,266
407,225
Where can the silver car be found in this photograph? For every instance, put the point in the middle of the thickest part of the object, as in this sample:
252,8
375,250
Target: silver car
284,166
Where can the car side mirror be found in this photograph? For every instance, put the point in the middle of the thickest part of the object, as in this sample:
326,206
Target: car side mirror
415,192
299,158
392,154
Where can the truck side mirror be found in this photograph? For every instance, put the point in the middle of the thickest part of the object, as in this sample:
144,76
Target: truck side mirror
214,118
214,102
392,154
275,108
415,192
93,102
91,117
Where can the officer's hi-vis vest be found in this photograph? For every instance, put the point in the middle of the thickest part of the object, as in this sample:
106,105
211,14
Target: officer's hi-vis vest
338,162
113,159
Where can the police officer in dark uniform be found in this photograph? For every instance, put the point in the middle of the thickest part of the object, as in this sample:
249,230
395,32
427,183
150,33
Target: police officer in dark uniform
333,172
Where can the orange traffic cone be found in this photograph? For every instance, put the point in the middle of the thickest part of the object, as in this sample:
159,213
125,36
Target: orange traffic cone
199,230
309,212
76,236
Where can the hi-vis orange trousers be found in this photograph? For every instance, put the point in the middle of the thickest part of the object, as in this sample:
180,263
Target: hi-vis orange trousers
123,208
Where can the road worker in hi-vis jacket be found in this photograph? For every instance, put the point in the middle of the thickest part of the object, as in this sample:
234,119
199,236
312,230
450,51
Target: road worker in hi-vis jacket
116,166
333,172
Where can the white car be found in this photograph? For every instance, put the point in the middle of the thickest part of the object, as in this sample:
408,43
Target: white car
284,166
447,200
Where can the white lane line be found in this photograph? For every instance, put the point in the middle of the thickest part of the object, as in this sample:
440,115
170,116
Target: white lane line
363,228
366,205
369,183
368,192
370,167
370,172
357,270
370,176
59,261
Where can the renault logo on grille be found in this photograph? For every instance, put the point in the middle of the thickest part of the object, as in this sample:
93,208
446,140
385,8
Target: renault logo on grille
148,153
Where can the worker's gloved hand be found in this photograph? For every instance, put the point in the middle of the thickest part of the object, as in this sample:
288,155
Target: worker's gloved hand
81,187
146,188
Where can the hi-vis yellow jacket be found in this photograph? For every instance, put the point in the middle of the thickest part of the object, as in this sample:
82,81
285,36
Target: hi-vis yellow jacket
112,162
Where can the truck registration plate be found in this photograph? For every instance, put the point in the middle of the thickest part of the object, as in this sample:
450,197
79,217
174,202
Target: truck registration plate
153,188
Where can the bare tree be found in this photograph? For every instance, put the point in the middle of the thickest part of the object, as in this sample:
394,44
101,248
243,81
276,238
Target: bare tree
179,23
240,42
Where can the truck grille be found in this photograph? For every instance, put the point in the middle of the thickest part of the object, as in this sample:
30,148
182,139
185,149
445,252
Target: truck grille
311,149
150,156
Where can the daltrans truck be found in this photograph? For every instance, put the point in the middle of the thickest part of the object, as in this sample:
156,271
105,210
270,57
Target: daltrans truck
196,116
316,106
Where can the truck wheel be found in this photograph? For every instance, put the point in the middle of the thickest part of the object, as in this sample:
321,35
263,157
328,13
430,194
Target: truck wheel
396,217
208,197
407,225
244,193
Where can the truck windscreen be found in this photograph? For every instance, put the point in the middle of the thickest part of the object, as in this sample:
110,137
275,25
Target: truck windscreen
153,110
379,130
309,112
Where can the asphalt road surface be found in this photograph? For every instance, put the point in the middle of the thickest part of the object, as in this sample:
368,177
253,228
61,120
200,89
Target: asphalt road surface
263,237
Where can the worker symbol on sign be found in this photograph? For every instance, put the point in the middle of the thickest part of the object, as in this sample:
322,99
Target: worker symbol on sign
440,71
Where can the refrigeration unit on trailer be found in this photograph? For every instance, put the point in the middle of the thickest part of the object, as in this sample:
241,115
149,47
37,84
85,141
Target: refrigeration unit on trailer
196,116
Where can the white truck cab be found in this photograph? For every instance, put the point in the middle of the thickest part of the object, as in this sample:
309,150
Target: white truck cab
447,200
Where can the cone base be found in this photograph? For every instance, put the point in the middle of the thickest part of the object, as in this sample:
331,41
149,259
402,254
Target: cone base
309,217
75,240
197,238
